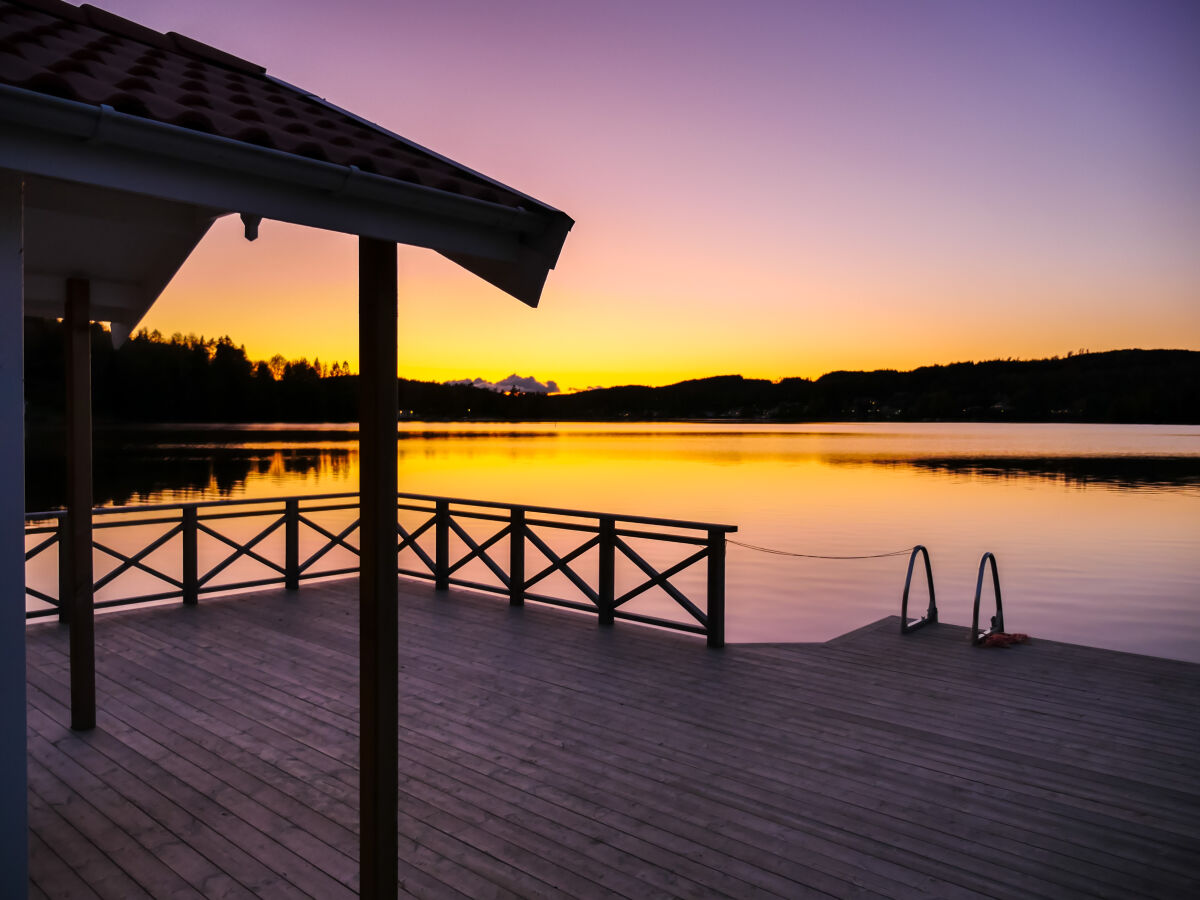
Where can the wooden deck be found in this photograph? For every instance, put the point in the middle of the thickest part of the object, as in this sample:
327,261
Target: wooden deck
542,756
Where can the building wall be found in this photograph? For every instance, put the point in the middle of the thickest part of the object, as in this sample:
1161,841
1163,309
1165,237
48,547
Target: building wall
14,841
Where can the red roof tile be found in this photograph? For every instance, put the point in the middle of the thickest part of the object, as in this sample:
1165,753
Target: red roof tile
92,56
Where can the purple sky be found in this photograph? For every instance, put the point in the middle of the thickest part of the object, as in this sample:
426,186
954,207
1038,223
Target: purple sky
773,188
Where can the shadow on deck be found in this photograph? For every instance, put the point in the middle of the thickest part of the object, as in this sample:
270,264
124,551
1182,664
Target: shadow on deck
542,756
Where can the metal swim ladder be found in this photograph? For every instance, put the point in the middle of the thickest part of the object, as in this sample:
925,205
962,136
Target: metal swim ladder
931,614
997,626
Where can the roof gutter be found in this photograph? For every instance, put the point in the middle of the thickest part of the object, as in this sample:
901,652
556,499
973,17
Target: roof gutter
104,125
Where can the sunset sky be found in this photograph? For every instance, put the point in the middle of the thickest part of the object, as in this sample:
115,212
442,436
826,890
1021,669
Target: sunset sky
765,188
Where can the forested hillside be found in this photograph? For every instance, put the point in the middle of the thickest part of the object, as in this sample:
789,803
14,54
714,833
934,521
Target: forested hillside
189,379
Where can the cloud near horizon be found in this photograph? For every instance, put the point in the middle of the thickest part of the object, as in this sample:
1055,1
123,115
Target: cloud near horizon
521,384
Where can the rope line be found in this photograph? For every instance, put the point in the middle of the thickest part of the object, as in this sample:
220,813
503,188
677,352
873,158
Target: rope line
775,552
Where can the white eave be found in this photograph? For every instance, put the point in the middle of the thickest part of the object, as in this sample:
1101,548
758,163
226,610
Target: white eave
127,245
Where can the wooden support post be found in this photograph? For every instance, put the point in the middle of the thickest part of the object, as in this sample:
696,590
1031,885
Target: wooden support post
608,569
291,545
441,546
716,588
516,557
191,572
78,328
378,579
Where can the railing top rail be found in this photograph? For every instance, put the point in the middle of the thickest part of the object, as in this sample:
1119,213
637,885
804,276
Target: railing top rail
152,507
579,513
50,514
482,504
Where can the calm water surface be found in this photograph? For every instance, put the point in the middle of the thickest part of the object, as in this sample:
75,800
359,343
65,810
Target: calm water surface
1096,528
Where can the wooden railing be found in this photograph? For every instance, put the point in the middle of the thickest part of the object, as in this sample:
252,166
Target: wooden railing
185,550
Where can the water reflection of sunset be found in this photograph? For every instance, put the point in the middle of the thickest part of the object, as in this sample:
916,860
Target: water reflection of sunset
1095,545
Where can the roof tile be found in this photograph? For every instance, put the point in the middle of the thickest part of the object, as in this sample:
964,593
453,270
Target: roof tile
92,56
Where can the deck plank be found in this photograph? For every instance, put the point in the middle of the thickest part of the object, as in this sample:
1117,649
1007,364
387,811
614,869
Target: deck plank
541,756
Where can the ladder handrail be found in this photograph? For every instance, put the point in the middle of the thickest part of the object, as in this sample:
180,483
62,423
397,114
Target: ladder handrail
931,614
997,626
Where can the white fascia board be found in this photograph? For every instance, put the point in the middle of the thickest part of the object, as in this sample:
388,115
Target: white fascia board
95,145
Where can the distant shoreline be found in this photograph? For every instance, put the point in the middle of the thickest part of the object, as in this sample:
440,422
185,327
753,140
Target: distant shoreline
152,382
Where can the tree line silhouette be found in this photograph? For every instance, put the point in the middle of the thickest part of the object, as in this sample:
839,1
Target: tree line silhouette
152,378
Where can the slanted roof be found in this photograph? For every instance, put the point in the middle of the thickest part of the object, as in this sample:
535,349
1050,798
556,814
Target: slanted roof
89,97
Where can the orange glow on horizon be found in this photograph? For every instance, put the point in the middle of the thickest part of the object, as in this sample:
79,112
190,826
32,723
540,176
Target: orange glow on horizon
293,291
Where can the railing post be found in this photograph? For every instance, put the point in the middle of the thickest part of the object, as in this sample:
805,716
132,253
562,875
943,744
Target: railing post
716,588
607,588
191,573
516,557
441,560
291,544
64,570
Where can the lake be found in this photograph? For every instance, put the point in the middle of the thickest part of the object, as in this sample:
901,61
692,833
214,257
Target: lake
1096,528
